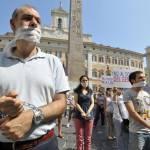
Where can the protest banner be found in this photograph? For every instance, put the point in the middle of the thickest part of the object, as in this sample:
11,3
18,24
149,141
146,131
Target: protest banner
118,78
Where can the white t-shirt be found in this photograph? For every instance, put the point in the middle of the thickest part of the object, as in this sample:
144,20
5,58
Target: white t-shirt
141,102
122,107
116,112
109,106
119,110
36,80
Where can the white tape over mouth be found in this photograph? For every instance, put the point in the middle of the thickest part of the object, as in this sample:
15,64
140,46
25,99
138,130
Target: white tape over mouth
28,34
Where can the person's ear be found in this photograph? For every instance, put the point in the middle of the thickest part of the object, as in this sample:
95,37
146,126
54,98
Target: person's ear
12,25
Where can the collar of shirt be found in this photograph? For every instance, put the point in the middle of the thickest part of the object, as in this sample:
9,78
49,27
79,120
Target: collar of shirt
8,53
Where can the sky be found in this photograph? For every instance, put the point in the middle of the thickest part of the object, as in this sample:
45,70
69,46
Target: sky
117,23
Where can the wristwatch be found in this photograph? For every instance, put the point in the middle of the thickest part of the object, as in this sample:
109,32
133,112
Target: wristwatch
38,115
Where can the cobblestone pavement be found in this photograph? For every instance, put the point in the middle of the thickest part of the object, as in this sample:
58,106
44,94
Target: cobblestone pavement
99,140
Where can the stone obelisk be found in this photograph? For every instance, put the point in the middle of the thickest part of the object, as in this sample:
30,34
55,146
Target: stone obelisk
75,64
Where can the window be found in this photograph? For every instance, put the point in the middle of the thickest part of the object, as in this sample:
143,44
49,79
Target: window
141,65
101,59
136,64
100,73
59,23
120,62
114,60
132,64
108,60
126,62
86,56
94,58
94,73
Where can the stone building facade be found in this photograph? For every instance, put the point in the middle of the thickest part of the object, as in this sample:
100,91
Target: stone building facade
98,58
147,70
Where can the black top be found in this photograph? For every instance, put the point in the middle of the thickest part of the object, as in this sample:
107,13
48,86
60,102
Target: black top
84,100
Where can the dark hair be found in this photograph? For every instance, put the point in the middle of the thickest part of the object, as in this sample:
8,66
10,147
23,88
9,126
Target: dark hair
132,75
107,90
16,11
79,87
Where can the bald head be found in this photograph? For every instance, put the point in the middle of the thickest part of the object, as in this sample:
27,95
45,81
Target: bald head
25,16
17,10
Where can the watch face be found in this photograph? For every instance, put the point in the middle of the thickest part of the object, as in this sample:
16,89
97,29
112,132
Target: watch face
38,119
38,116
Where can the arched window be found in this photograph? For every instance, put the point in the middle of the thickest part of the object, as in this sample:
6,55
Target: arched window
59,23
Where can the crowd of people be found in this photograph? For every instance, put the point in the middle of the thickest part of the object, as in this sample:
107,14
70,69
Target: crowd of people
124,113
30,105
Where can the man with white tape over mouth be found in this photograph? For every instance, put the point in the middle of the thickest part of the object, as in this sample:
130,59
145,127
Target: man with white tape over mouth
33,87
137,101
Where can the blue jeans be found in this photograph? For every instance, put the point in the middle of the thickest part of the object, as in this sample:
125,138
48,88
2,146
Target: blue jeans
139,141
51,144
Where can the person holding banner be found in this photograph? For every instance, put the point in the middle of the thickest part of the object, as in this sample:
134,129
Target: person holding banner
137,101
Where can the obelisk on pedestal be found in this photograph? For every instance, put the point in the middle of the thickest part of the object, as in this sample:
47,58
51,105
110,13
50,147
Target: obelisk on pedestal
75,64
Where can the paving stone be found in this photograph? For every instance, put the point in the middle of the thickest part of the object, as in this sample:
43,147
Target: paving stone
99,140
